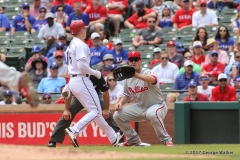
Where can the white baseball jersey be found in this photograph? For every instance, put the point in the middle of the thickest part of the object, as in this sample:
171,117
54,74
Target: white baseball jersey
207,92
115,93
145,94
76,51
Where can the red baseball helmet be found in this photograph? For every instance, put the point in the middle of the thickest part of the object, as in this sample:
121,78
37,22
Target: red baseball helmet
76,26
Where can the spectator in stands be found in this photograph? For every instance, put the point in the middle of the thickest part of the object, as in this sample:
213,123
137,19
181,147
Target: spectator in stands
183,16
105,68
198,55
97,51
212,44
116,9
188,56
60,44
84,4
53,83
39,70
77,15
119,53
194,95
148,36
166,71
106,35
237,46
234,75
88,39
156,56
226,43
133,4
223,92
5,23
221,5
115,90
33,11
180,48
46,98
66,7
202,36
171,98
50,31
62,68
61,100
174,57
23,21
159,5
204,17
1,10
236,23
60,16
97,15
36,53
46,2
41,21
8,98
185,78
2,58
139,20
204,88
165,19
236,56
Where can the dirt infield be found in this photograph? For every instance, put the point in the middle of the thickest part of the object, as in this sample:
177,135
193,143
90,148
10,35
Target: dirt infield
13,152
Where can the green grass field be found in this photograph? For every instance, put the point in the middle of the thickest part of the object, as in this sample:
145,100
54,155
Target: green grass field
176,152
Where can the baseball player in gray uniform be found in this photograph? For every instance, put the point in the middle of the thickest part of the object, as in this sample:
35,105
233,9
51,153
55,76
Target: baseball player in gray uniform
149,106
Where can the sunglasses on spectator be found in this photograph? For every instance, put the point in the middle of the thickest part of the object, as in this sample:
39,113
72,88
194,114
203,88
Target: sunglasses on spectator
59,48
151,21
60,10
203,5
214,55
134,59
237,57
109,60
188,57
164,58
42,11
222,30
62,39
111,80
203,79
47,98
59,57
223,80
8,96
25,7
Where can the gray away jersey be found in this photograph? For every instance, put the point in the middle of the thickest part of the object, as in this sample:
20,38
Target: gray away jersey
145,94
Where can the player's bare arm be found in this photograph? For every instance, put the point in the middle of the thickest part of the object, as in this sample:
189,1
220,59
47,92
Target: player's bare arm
146,78
106,100
124,100
68,98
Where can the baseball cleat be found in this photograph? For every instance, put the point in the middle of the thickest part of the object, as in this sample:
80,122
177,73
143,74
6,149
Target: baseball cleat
127,144
168,144
119,136
51,144
72,137
27,89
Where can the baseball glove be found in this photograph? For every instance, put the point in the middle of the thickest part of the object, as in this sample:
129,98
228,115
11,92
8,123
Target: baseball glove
123,72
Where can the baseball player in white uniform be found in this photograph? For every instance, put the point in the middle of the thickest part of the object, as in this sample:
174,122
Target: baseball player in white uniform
78,55
149,106
19,82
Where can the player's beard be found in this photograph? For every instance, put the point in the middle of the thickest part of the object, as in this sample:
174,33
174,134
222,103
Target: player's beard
8,101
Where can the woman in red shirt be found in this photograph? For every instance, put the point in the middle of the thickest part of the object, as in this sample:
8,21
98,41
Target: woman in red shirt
198,56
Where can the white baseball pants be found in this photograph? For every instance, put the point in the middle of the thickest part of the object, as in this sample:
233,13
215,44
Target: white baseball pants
9,77
82,88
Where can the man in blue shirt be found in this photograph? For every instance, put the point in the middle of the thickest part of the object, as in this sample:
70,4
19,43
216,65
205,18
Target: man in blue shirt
77,15
53,83
4,23
97,51
24,21
50,54
119,53
185,78
67,8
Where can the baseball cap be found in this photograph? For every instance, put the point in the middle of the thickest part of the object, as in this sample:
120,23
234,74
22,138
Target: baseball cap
134,54
59,45
157,50
49,15
112,67
43,95
117,41
188,63
58,53
53,65
203,2
108,56
213,52
222,76
197,44
42,7
171,43
95,35
7,93
25,4
61,35
139,5
180,47
192,83
36,49
238,8
203,75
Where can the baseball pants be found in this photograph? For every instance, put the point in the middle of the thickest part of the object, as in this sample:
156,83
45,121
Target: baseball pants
87,96
58,133
154,114
9,77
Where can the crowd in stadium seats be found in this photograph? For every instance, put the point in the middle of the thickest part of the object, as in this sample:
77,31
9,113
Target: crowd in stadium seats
187,44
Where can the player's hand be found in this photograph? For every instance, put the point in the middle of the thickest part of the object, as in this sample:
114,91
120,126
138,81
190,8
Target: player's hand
105,113
118,106
97,74
67,115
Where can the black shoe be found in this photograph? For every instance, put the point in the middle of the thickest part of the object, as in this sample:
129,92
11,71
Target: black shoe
51,144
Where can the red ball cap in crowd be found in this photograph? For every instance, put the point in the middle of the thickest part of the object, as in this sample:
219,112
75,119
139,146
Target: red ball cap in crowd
238,8
134,54
58,53
203,2
171,43
76,26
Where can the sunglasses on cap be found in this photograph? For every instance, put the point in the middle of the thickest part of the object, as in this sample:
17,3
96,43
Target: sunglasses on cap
134,59
111,80
47,98
204,79
8,96
223,80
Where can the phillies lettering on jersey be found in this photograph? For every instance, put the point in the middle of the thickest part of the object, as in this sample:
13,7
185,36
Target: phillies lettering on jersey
137,89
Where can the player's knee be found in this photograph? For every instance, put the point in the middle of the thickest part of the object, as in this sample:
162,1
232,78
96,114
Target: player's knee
152,117
116,116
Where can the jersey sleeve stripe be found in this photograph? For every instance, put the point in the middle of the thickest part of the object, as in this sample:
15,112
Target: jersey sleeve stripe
124,94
